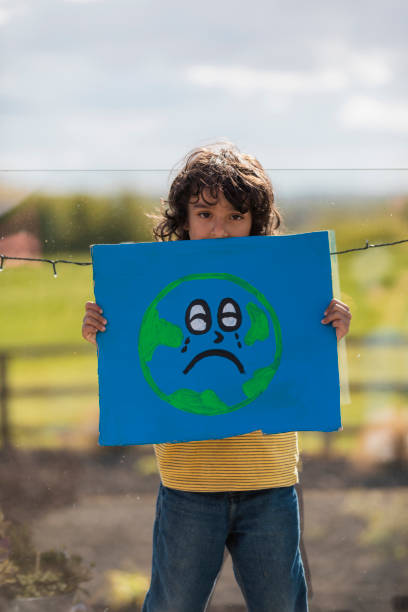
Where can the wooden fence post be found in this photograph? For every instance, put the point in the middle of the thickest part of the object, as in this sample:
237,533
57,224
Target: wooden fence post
4,394
327,445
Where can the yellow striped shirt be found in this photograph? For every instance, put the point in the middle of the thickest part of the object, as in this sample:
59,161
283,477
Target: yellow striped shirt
241,463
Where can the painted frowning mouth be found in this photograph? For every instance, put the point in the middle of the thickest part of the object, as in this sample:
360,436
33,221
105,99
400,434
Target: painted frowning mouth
215,353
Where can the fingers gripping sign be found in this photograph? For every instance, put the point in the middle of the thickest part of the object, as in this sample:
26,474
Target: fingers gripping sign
93,322
339,315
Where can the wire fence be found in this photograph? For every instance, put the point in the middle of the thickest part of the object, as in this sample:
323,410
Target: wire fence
54,262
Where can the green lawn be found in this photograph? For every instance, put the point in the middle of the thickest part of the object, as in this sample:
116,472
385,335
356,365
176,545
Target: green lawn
37,308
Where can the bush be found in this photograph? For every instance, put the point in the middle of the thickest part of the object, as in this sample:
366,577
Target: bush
27,573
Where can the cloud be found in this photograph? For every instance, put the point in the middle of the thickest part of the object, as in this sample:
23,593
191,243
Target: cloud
338,67
5,15
7,12
242,80
79,139
371,67
367,113
113,128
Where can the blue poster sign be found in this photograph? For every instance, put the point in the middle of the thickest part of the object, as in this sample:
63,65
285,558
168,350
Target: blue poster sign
208,339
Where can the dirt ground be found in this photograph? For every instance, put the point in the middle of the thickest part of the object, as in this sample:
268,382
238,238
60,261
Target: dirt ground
101,506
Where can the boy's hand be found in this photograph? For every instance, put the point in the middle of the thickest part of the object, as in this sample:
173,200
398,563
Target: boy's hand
93,322
339,315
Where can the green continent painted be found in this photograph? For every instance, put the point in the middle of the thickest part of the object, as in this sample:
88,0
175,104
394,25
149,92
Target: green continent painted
259,329
259,382
155,332
206,402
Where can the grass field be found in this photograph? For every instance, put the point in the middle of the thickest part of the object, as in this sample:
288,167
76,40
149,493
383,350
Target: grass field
38,309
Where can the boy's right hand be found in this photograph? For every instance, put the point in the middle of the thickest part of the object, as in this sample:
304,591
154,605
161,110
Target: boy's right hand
93,322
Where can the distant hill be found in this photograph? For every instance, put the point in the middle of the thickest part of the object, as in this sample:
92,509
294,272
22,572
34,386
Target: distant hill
74,221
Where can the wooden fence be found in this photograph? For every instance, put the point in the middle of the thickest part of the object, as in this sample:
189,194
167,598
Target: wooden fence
7,392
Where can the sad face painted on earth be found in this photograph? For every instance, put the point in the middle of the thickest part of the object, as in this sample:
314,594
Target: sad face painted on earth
199,321
209,343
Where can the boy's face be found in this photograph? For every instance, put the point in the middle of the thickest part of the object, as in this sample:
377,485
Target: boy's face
219,220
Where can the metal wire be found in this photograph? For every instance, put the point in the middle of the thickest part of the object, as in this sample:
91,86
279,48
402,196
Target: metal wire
401,169
54,262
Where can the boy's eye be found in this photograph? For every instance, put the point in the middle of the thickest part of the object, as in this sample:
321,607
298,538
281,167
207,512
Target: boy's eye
237,216
204,214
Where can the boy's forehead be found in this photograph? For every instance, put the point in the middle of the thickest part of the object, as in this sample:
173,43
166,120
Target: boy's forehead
203,199
199,201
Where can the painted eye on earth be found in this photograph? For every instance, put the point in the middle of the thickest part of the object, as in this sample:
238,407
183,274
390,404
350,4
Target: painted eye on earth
198,317
229,315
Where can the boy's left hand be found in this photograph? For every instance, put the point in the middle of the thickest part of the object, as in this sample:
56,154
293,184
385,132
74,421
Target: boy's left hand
338,314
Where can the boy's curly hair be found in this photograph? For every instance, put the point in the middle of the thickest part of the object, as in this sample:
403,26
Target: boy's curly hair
241,178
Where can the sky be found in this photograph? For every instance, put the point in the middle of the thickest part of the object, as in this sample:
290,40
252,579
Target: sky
136,84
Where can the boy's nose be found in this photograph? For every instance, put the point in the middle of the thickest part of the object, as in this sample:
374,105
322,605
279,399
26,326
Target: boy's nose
218,230
219,337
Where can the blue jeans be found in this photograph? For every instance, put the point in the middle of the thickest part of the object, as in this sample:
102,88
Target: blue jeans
260,530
